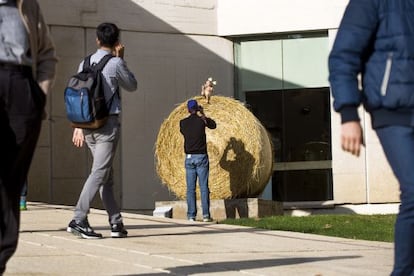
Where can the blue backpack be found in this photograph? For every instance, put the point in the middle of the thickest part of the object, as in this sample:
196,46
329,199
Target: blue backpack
86,106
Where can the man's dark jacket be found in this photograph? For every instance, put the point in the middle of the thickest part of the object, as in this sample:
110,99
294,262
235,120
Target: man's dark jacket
193,129
376,39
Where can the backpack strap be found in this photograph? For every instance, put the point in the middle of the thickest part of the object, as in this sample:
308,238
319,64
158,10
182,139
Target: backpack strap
112,99
100,65
86,62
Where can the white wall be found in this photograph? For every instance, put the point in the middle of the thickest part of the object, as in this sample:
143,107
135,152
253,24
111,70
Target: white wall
236,17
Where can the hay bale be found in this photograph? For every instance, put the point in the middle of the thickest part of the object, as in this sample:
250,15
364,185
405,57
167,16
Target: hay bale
239,150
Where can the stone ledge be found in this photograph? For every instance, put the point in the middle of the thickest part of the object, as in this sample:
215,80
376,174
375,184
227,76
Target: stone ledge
228,208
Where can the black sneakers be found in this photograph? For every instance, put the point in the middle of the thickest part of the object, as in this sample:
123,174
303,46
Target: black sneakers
118,230
83,229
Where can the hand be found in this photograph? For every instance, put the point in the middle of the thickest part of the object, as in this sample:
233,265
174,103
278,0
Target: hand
201,110
78,138
202,115
119,50
351,137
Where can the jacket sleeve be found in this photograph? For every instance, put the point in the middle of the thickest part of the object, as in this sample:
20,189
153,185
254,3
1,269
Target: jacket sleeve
210,123
346,60
46,53
126,78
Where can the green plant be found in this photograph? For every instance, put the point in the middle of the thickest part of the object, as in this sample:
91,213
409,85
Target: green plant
364,227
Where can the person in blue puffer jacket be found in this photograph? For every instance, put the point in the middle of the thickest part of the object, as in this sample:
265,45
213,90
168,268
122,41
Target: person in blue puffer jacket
372,63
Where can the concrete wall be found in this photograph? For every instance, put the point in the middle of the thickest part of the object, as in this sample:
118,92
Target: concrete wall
171,47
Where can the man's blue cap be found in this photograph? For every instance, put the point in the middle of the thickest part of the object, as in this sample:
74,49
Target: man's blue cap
192,105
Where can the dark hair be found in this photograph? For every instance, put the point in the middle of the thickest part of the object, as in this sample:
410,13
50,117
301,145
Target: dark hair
107,34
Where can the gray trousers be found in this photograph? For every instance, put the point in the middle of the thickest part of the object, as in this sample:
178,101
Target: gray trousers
102,142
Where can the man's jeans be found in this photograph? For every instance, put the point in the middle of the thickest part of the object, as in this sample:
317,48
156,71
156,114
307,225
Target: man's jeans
197,165
398,145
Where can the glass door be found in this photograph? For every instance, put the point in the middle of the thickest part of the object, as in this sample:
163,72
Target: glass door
284,81
298,121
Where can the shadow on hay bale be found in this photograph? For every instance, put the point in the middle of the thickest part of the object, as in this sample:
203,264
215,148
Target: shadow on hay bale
239,150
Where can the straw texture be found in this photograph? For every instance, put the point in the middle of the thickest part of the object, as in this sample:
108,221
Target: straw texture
239,150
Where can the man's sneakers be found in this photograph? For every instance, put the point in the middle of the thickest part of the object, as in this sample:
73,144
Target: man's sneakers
23,205
207,219
118,230
83,230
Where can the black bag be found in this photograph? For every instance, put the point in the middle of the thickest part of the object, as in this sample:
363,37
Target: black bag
86,106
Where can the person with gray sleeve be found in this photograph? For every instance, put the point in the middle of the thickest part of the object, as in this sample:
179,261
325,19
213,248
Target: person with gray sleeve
103,141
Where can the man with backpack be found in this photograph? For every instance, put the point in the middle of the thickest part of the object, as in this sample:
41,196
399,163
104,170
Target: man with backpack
102,141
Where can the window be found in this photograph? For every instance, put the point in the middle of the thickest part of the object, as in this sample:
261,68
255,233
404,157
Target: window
284,81
298,121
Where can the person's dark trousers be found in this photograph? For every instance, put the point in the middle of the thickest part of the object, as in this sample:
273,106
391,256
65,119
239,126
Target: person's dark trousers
24,189
398,145
21,108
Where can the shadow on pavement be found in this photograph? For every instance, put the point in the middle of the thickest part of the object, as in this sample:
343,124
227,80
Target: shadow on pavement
243,265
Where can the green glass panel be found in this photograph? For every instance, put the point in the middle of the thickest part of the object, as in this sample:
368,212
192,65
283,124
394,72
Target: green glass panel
261,65
305,62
